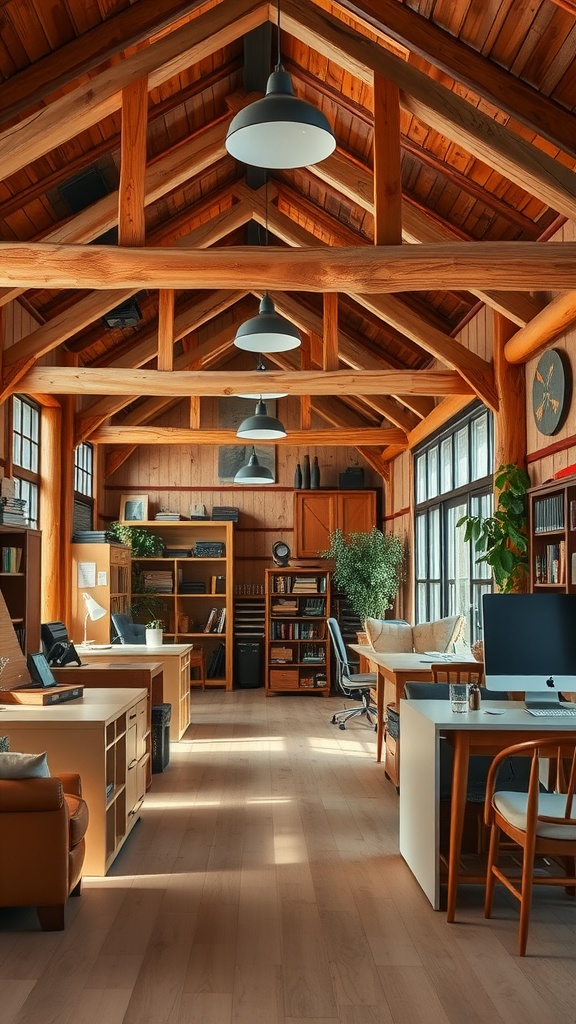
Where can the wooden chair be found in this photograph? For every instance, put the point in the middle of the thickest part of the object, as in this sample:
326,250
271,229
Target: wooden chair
458,672
540,823
197,661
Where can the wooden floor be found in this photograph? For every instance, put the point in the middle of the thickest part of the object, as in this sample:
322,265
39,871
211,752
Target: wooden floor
263,885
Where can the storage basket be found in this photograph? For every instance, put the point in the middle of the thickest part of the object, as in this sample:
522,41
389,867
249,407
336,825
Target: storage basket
392,722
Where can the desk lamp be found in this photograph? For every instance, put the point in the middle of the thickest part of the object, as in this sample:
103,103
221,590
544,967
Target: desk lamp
94,611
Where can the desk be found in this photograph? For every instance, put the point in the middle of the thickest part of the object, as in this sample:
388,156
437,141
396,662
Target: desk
394,670
104,737
423,722
175,661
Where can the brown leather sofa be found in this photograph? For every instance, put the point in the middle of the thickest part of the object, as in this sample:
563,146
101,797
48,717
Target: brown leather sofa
43,825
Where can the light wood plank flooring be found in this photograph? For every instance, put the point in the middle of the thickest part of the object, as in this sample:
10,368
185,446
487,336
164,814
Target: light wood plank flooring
263,885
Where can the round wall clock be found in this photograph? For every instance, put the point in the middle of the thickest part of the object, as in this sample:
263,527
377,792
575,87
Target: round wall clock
550,392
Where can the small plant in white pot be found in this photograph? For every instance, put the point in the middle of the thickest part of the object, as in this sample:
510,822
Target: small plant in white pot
154,633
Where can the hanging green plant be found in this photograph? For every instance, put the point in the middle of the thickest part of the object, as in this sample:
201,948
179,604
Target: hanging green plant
500,539
369,568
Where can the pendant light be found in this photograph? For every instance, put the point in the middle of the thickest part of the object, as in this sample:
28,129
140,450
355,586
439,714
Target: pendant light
280,131
253,472
267,331
263,393
261,426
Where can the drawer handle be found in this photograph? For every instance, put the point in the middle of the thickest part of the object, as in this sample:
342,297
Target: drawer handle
132,763
133,716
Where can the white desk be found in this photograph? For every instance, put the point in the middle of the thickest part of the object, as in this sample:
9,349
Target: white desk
175,661
422,722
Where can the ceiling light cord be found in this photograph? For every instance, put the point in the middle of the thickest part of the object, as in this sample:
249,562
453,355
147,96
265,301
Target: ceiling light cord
279,58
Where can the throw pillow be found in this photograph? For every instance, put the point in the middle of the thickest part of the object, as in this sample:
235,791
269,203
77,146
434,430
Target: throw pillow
4,743
389,637
439,635
23,766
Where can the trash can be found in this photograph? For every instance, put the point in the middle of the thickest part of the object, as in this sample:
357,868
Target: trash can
161,715
248,667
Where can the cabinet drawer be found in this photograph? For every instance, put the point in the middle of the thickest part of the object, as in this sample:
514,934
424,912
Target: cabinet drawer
283,679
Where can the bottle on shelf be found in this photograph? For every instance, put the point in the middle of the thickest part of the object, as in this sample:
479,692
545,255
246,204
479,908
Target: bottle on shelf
315,475
306,473
298,477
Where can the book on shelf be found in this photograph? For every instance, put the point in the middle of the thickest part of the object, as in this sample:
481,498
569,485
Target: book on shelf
217,584
210,620
11,559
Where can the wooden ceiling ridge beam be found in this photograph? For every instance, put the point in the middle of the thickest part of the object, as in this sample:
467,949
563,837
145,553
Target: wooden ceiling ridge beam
82,55
101,96
64,380
438,107
318,268
346,437
465,65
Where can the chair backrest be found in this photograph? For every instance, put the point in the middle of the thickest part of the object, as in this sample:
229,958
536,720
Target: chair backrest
441,691
128,631
562,754
339,647
458,672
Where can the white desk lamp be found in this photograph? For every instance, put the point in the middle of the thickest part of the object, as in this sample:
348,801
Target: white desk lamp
94,611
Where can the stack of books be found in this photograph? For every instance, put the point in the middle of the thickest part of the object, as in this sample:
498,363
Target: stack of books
223,513
305,585
191,587
94,537
165,516
160,580
12,511
176,553
215,621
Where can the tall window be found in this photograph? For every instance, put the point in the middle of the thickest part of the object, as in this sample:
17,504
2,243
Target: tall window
453,478
83,487
26,454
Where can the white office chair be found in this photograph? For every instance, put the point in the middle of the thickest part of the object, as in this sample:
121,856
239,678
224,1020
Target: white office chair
354,685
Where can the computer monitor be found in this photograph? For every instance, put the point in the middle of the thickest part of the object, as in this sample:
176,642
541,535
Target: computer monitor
530,645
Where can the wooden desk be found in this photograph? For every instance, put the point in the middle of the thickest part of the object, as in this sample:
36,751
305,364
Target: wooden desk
103,736
394,671
422,723
175,661
148,674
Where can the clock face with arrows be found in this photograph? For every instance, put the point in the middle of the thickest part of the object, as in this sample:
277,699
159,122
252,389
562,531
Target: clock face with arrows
550,392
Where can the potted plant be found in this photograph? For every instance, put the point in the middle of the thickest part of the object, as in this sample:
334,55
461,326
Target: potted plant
144,544
369,568
500,539
154,632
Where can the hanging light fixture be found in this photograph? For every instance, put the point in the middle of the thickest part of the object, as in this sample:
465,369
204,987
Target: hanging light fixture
267,331
280,131
263,393
253,472
261,426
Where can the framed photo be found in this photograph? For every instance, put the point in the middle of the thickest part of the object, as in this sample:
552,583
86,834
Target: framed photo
231,458
40,671
133,508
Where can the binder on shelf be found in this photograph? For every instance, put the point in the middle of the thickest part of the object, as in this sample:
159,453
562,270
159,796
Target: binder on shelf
217,584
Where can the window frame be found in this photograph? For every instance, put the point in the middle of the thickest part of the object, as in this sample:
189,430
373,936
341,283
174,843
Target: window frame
32,478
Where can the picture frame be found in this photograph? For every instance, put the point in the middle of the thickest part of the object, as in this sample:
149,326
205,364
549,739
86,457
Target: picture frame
133,508
40,671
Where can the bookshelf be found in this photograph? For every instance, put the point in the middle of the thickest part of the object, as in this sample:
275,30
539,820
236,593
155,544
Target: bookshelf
552,531
103,571
20,583
297,644
193,583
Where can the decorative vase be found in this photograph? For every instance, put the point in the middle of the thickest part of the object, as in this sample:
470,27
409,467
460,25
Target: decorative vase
306,473
154,637
315,475
298,477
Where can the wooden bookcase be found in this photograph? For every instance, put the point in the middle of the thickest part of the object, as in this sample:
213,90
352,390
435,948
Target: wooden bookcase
20,583
318,513
111,566
552,526
297,644
196,590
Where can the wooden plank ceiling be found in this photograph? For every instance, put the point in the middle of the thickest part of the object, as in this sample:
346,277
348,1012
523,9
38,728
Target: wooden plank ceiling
454,123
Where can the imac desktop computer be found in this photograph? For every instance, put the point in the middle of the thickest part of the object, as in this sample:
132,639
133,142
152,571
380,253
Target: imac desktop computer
530,646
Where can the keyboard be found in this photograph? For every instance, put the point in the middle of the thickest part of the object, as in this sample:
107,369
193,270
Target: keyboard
552,712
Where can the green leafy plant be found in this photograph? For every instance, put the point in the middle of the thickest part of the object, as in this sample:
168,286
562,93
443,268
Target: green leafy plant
500,539
144,544
155,624
369,568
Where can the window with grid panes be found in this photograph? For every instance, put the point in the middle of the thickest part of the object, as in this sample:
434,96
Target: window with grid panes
453,478
83,487
26,455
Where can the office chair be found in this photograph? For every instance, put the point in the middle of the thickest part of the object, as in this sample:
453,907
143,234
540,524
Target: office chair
128,632
539,823
355,686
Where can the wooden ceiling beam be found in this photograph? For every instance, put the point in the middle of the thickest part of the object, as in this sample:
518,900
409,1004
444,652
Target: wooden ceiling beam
132,187
373,270
34,84
369,436
559,315
63,380
436,106
100,97
465,65
387,178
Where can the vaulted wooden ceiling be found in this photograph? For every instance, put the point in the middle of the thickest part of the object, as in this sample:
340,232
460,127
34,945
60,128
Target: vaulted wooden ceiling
454,122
